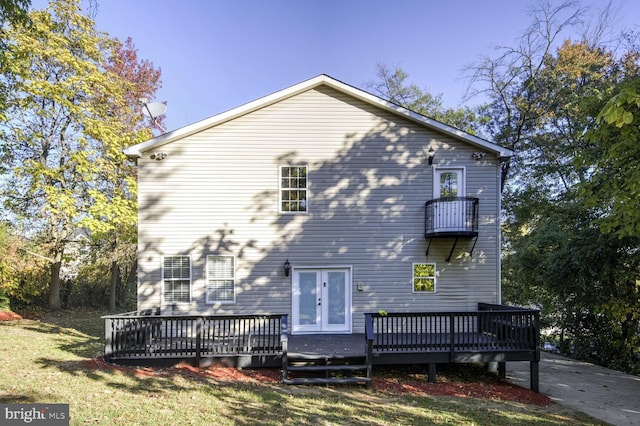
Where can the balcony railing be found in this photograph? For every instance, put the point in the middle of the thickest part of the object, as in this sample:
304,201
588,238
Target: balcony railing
451,217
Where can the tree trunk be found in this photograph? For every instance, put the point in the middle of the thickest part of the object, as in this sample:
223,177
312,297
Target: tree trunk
132,280
115,278
54,284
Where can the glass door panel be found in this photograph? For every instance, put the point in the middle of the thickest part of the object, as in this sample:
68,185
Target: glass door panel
308,298
335,298
306,303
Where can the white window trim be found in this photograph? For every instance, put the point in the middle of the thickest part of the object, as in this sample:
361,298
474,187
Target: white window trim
435,278
190,279
280,189
206,281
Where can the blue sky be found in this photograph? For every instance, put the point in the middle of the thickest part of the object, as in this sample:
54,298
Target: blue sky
218,54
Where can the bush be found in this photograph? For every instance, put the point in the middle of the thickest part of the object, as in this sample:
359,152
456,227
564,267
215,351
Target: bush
5,304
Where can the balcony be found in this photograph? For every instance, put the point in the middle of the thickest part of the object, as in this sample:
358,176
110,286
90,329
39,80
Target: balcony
451,217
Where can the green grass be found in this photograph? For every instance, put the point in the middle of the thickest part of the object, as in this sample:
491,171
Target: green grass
51,361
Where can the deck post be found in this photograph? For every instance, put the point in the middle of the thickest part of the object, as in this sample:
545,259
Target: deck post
502,369
108,338
432,372
534,376
284,342
369,335
535,367
199,322
369,358
452,336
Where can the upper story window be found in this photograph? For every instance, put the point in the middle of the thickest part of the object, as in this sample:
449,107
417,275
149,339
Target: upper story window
176,279
293,189
424,277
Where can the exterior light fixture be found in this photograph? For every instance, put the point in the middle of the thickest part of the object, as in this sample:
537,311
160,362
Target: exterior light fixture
158,156
430,156
287,268
478,155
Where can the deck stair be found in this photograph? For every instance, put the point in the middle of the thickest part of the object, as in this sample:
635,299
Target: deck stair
325,370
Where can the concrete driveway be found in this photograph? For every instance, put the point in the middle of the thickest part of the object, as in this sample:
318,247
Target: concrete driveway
607,395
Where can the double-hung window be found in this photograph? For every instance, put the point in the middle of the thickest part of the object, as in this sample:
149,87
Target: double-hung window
424,277
294,193
221,279
176,279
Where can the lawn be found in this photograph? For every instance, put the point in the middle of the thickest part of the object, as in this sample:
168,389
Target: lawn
51,360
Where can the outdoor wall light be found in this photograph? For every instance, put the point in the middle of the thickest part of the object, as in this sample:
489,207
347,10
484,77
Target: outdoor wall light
430,156
158,156
287,268
478,155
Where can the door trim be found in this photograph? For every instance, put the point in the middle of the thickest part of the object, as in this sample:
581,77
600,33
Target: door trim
449,216
347,329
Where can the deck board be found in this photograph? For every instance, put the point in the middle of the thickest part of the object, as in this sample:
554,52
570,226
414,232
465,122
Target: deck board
327,345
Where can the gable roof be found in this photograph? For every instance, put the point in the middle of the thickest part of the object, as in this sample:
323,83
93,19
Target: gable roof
323,79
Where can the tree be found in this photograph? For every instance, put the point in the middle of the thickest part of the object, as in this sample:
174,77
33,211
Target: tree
508,78
392,86
610,156
68,115
116,237
21,272
580,277
545,96
13,11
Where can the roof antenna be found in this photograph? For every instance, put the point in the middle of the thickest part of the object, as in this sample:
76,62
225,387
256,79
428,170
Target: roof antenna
154,110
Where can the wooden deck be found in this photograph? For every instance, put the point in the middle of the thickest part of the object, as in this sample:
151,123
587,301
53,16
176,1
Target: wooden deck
494,333
355,345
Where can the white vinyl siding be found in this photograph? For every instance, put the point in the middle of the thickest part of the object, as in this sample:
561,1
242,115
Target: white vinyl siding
176,278
293,189
221,279
368,184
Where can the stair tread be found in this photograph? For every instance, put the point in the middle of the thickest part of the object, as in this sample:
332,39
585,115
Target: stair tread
326,367
326,380
316,357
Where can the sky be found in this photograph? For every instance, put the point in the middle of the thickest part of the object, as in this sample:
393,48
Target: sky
219,54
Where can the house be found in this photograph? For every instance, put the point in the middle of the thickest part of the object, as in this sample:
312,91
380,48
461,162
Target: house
282,232
323,202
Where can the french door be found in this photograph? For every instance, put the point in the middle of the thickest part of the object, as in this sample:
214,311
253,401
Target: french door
321,300
449,215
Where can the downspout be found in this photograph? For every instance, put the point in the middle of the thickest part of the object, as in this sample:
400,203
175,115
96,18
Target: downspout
501,180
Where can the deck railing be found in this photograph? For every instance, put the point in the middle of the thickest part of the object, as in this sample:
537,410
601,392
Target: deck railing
514,327
491,328
493,333
147,334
